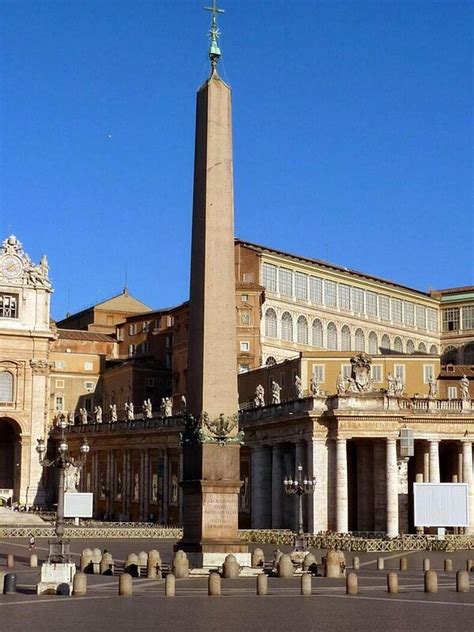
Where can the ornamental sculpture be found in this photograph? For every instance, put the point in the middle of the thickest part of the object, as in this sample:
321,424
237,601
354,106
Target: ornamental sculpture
276,390
113,413
130,411
299,394
147,409
205,430
362,382
98,414
464,387
16,268
259,397
314,386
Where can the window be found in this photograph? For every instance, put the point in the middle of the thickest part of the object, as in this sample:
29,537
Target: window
6,386
359,340
244,368
450,355
317,333
420,316
145,326
428,372
452,392
345,338
332,336
371,302
244,298
270,323
422,347
88,366
287,327
244,345
318,372
244,317
384,307
330,297
150,382
469,353
131,349
8,306
269,277
376,373
59,364
385,344
119,334
434,350
358,300
285,282
398,345
397,311
346,371
270,361
432,318
168,341
59,384
344,297
302,330
373,343
301,286
468,317
399,371
410,346
59,403
89,386
168,361
316,290
132,329
451,319
409,313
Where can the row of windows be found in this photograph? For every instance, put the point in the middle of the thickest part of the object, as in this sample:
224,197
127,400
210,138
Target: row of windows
376,372
61,364
8,306
331,294
456,318
330,338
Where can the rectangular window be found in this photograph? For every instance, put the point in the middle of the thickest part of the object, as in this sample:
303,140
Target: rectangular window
144,347
131,349
168,361
428,373
301,286
420,316
269,277
371,301
59,364
384,307
244,345
145,327
432,317
88,366
131,329
451,319
285,282
316,290
59,383
346,371
452,392
59,403
397,313
89,386
344,292
119,334
409,313
399,371
8,306
330,296
318,372
358,300
244,298
376,373
468,317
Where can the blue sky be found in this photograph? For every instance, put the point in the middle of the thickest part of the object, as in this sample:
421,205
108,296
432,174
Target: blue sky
353,137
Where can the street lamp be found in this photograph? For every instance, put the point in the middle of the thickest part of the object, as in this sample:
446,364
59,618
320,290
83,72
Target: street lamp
300,486
59,548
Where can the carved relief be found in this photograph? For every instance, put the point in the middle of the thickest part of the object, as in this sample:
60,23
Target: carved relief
16,268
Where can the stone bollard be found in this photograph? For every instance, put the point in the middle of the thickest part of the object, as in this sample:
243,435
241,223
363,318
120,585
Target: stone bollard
151,569
170,585
180,565
380,563
351,583
258,558
107,564
230,567
86,561
131,565
469,565
79,584
156,557
285,566
262,584
96,558
431,582
125,585
335,563
305,584
309,563
356,563
9,587
403,563
426,564
142,560
462,581
2,582
392,582
448,565
214,584
10,560
33,560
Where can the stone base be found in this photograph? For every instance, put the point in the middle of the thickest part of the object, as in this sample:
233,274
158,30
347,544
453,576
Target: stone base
55,575
209,560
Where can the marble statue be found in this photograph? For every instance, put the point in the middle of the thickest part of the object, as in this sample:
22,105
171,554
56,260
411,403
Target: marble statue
166,408
360,373
314,385
70,418
399,386
147,409
431,388
259,397
72,475
130,411
464,386
113,412
352,386
276,389
340,384
98,414
391,384
83,414
299,394
184,405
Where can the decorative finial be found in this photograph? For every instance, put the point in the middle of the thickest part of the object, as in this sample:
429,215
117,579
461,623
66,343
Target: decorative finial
214,33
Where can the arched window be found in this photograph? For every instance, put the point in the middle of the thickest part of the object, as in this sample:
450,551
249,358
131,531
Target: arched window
469,353
434,350
6,386
359,340
411,346
345,338
318,333
270,361
398,345
450,355
373,343
422,347
332,336
287,326
302,330
385,344
270,323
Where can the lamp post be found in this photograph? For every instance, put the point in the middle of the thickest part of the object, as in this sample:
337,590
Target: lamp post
59,548
300,486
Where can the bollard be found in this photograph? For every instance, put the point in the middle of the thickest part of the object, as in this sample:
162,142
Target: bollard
125,585
309,563
131,565
462,581
431,582
151,568
214,585
285,566
170,585
392,582
107,564
403,563
142,561
180,565
258,558
334,564
10,560
469,565
305,584
2,582
356,563
262,584
86,561
9,587
230,567
96,558
351,584
79,584
33,560
154,554
380,563
426,564
448,565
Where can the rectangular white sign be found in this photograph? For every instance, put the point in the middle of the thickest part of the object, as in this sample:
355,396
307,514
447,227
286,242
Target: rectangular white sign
441,504
78,505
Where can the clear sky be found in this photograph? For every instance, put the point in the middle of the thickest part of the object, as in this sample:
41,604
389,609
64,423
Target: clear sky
353,137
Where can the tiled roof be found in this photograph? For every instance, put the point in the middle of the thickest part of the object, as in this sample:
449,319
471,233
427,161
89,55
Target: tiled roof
76,334
457,370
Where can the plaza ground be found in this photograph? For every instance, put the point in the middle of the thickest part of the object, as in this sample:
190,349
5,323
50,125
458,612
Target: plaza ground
239,608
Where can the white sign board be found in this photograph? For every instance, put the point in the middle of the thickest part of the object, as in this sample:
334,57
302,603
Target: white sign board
78,505
441,504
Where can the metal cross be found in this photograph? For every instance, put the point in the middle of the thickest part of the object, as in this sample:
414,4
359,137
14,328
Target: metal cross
214,50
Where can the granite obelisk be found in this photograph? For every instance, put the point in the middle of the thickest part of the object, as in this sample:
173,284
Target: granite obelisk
211,441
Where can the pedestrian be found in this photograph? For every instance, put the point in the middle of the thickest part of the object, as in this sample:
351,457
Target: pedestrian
31,543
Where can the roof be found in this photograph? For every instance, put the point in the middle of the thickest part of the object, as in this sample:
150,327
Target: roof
456,290
78,334
123,302
457,370
156,312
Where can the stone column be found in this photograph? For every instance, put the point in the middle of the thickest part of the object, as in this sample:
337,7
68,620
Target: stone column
261,486
277,486
166,487
467,478
392,488
317,460
300,455
460,464
426,463
146,485
380,486
434,462
342,516
365,487
402,467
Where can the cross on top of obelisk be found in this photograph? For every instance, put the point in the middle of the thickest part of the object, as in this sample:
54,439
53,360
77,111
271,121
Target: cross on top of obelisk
214,33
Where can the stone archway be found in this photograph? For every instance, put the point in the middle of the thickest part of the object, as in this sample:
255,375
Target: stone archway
9,458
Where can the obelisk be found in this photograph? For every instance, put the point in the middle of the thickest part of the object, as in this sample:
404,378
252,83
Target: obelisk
211,441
